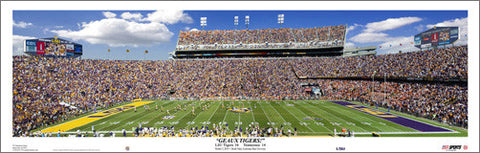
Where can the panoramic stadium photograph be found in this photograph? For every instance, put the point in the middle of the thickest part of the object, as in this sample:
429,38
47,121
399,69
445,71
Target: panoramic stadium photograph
168,74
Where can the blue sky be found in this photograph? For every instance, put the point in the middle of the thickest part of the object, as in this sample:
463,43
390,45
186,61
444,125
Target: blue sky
157,30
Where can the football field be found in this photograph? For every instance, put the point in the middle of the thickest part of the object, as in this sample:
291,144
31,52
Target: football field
309,117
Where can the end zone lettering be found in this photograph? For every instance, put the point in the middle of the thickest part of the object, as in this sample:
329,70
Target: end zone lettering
371,111
109,112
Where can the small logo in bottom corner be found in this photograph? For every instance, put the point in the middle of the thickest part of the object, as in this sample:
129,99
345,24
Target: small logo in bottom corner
340,148
465,147
453,147
127,148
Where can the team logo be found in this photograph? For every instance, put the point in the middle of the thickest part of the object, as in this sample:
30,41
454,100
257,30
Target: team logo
239,110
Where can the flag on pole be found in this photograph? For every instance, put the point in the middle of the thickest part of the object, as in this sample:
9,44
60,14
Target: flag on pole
146,51
128,50
400,44
108,50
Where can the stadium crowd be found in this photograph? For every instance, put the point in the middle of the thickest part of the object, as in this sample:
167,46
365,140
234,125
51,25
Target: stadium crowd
262,38
441,63
43,86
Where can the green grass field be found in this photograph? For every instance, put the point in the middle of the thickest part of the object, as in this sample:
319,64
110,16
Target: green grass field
310,117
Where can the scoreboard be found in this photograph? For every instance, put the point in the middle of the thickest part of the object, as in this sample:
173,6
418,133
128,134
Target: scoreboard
52,47
436,36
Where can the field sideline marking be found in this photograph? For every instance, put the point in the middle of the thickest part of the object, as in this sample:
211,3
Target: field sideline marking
87,119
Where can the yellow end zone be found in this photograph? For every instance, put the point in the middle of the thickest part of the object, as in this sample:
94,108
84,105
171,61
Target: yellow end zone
90,118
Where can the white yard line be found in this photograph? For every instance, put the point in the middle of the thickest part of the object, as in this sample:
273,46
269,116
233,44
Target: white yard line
213,113
339,117
265,113
252,112
306,115
324,118
296,118
284,121
184,115
349,112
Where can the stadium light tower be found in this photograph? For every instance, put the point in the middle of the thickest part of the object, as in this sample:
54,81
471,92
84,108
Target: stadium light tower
281,19
247,21
235,21
203,22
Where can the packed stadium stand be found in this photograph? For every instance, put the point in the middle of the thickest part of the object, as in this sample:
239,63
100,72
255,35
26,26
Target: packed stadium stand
41,83
286,42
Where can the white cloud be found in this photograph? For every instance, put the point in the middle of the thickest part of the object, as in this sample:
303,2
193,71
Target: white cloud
119,32
58,27
390,24
194,29
394,45
370,37
352,27
420,28
462,25
109,14
168,17
22,24
46,30
18,43
187,28
133,16
373,33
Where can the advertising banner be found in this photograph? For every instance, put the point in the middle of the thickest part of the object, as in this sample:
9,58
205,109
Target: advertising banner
78,48
40,48
70,53
31,48
418,40
434,38
70,47
31,42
